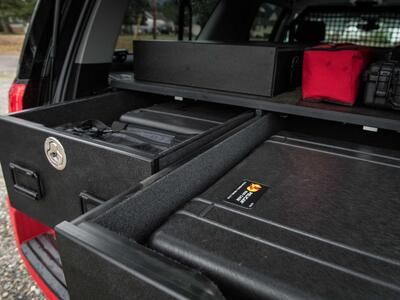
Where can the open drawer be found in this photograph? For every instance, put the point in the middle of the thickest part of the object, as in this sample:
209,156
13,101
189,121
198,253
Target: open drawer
323,225
126,269
57,167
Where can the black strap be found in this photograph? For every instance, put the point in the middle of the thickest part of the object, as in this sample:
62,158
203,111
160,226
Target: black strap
91,128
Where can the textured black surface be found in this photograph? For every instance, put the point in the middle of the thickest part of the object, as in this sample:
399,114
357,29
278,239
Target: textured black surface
384,142
106,108
99,168
139,215
102,265
174,123
185,117
327,227
43,256
197,110
90,167
250,69
197,122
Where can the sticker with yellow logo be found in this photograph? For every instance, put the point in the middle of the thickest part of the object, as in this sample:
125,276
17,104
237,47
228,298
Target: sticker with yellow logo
247,194
254,187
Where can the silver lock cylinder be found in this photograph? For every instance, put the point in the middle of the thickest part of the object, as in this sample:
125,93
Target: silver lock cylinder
55,153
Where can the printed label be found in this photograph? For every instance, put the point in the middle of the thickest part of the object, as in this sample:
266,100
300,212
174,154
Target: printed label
247,194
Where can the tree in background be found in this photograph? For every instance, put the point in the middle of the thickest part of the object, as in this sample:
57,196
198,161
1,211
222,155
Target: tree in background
18,11
136,11
202,10
162,16
169,10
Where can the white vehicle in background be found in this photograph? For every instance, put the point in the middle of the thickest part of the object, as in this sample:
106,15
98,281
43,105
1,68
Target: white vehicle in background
162,25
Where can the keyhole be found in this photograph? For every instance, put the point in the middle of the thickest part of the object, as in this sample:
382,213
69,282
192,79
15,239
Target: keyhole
55,153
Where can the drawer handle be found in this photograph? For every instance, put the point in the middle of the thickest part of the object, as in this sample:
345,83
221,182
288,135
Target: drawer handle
26,182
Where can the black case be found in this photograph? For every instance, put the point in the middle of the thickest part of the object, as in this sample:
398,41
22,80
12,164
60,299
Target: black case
314,228
382,81
256,69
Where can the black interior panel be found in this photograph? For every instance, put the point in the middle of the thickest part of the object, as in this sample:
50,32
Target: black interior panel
325,225
93,259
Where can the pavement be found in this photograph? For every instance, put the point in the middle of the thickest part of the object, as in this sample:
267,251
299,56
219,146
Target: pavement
15,282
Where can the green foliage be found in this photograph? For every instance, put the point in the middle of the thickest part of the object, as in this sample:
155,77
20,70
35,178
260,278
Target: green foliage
135,12
379,37
169,10
203,9
21,9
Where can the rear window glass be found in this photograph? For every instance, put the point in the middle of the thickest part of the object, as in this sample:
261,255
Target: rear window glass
159,20
367,28
266,19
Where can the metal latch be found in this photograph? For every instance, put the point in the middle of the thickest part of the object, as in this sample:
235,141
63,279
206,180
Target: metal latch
55,153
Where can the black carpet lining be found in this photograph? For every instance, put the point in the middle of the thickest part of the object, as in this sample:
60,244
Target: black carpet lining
138,216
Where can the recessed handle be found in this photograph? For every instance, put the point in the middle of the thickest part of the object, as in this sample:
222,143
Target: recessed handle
26,182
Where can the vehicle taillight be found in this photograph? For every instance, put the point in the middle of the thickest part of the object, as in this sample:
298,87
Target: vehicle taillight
16,97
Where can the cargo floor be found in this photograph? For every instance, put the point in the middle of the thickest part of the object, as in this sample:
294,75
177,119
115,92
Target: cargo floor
296,218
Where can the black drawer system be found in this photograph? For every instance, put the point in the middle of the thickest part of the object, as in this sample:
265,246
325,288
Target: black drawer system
154,198
133,271
56,166
294,219
189,200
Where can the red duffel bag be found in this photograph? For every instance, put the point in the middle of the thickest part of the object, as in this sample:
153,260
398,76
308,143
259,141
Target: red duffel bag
333,72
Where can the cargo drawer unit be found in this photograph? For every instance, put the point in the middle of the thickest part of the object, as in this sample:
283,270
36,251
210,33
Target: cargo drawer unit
115,244
214,196
289,215
54,172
